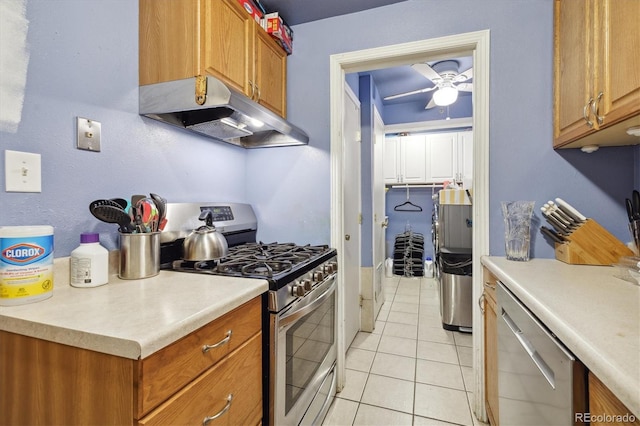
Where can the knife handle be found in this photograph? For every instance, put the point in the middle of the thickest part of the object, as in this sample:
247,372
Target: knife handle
570,210
553,235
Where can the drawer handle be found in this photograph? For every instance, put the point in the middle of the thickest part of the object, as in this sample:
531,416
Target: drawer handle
489,286
206,420
206,348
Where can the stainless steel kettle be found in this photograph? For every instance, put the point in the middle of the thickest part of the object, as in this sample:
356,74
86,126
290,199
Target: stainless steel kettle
205,242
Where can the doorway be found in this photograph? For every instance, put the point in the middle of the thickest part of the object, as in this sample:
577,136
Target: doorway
476,44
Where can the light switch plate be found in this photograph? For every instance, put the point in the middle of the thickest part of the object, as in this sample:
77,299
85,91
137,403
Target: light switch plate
88,134
22,172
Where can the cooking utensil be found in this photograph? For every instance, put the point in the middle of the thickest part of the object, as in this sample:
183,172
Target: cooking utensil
553,235
161,204
563,214
148,212
205,242
121,202
96,203
567,208
635,200
111,214
630,212
558,226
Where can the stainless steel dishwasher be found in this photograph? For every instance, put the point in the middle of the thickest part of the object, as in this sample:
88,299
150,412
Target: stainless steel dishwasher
537,375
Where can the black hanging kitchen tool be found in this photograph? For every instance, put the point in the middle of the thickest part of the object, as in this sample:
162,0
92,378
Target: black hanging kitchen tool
630,212
111,203
111,214
636,204
121,202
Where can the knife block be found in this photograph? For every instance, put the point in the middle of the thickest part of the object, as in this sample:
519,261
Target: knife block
591,244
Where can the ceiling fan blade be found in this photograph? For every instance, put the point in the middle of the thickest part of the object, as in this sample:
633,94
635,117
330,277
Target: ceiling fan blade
413,92
427,71
464,76
431,104
464,87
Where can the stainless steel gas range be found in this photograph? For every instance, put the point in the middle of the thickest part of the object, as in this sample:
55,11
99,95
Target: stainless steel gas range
299,310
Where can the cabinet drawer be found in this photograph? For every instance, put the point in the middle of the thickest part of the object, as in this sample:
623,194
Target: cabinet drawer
234,383
168,370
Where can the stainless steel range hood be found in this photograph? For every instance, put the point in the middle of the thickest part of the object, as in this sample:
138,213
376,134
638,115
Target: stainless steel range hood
207,106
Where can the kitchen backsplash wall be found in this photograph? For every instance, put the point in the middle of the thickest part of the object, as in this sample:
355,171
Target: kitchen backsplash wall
83,61
523,164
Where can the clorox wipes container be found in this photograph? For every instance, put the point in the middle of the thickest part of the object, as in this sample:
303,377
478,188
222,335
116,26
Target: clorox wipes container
26,264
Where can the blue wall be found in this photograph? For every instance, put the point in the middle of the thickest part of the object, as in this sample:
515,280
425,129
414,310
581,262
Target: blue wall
85,64
523,164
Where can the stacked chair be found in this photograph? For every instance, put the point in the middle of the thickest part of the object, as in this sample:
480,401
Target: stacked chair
408,254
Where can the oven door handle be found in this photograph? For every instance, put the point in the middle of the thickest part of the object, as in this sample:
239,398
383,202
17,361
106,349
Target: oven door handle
292,317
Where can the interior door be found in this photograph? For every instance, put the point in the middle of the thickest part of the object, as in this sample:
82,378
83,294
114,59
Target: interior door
379,218
352,202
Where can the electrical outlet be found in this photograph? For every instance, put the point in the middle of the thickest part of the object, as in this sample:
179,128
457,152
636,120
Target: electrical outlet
22,172
88,134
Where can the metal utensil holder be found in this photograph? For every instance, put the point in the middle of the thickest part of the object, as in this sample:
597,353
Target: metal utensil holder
591,244
139,255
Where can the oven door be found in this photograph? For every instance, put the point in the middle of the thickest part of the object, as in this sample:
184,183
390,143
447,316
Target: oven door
303,355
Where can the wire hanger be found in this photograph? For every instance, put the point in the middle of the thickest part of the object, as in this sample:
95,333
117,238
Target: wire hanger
410,207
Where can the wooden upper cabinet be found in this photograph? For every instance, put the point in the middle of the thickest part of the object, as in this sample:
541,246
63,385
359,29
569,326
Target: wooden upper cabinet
596,78
168,40
270,73
227,44
182,39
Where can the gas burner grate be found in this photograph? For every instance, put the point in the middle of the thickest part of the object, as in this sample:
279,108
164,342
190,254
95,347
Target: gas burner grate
253,268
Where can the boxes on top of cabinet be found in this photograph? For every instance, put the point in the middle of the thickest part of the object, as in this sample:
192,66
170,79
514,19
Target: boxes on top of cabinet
252,9
278,29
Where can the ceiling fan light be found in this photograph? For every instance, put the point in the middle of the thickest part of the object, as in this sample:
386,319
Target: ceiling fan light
445,96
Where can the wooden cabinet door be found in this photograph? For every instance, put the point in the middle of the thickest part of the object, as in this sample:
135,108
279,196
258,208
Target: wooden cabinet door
491,359
573,75
227,43
617,59
270,73
442,157
413,159
232,389
603,405
168,38
491,346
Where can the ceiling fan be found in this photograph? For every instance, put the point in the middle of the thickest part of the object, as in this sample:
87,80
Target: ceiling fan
447,82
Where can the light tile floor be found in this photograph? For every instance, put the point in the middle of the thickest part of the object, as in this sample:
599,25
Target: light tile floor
409,371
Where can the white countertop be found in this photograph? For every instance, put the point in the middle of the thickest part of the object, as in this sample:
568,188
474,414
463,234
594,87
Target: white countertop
129,318
593,313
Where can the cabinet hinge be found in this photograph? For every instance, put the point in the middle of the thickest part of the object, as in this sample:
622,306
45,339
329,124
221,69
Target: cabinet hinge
359,218
201,89
360,302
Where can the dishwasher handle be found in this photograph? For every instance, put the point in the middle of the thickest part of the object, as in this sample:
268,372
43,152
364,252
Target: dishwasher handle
544,368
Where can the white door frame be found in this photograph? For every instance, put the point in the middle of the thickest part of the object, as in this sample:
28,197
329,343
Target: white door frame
476,43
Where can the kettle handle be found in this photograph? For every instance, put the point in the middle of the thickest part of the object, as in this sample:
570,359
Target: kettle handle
207,217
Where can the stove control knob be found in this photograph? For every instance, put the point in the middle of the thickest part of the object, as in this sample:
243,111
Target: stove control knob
328,268
335,266
318,276
297,289
307,285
